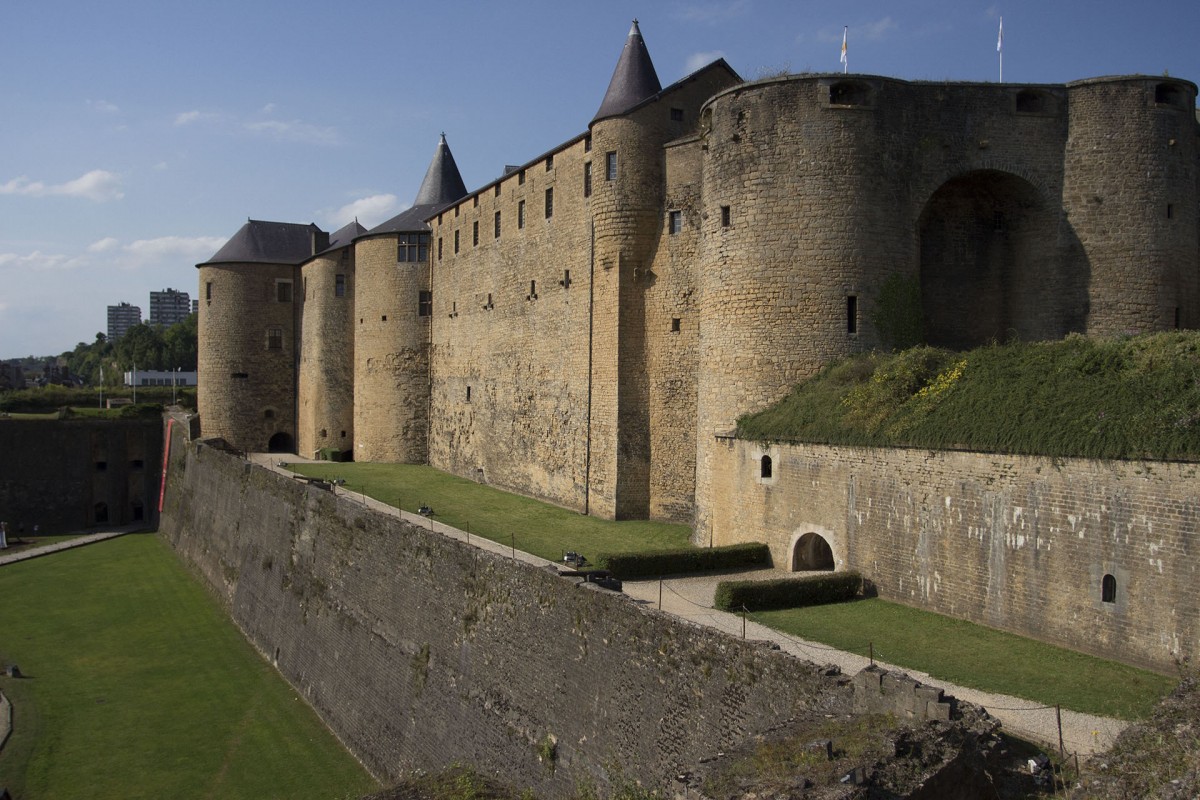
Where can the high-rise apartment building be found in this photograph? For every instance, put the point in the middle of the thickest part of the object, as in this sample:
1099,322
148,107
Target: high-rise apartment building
168,307
121,318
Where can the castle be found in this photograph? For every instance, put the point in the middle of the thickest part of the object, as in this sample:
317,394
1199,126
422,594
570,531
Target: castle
583,328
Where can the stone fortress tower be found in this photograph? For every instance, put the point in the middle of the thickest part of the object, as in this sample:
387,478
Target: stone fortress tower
581,328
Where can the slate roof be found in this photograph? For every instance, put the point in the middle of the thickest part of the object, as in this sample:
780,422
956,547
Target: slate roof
345,234
633,80
442,186
262,242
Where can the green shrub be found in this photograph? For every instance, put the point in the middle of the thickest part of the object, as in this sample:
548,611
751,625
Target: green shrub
690,559
140,410
809,590
332,454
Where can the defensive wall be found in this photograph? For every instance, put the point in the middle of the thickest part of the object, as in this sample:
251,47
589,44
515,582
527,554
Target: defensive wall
73,474
1026,210
1099,556
419,651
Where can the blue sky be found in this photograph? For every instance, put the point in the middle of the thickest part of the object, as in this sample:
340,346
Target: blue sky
138,136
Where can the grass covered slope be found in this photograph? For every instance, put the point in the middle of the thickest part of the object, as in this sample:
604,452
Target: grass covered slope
1135,397
138,686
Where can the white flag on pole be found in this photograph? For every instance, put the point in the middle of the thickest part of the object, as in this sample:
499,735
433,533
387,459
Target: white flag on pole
845,61
1000,39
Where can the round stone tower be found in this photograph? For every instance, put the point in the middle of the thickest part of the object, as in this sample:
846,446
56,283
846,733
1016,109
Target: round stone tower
785,261
1130,190
392,313
246,389
326,372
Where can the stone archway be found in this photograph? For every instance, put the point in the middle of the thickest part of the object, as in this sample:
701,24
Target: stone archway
994,265
281,443
812,553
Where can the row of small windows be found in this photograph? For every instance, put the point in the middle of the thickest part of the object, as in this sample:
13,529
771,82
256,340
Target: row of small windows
675,220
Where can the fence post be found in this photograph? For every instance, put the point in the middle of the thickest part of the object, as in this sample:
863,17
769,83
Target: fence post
514,545
468,533
1062,754
744,609
660,582
871,652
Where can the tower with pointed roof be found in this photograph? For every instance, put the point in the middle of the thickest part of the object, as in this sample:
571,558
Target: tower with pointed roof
393,312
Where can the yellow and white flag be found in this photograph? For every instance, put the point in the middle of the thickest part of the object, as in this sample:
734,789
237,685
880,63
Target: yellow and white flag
845,31
999,40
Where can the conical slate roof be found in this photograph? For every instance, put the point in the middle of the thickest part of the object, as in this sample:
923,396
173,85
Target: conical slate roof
442,184
633,80
261,242
345,234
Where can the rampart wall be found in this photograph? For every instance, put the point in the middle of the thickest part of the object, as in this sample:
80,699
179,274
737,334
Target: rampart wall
420,651
69,475
1014,542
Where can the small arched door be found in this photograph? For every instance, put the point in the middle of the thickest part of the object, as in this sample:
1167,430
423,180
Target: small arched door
281,443
812,553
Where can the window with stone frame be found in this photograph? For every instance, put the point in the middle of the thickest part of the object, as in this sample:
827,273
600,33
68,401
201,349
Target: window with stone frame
412,248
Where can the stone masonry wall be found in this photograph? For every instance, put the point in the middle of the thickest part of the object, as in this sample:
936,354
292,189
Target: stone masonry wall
56,472
1018,543
420,651
326,376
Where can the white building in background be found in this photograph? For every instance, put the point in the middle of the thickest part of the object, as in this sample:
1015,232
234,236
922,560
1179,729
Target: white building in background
153,377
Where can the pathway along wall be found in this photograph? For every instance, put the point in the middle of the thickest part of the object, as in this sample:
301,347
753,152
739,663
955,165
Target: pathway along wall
420,651
1015,542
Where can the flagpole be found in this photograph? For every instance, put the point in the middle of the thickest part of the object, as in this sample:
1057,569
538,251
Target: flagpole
1000,49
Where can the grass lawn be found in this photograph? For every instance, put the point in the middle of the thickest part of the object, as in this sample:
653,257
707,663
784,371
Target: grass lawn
539,528
139,686
977,657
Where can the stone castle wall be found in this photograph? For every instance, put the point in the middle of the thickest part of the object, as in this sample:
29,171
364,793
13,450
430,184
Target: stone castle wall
246,385
835,186
391,354
56,473
1014,542
326,374
420,651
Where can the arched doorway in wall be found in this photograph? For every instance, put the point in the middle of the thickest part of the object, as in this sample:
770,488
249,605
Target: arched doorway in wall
998,261
281,443
812,553
100,513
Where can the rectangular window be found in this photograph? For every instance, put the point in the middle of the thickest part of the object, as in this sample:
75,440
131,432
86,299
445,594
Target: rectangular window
475,233
456,211
339,285
425,304
521,178
497,190
208,290
475,201
412,248
283,291
439,248
725,216
549,202
549,163
610,165
456,242
587,179
587,143
677,115
468,394
532,291
674,222
497,224
566,279
521,214
675,324
274,338
851,314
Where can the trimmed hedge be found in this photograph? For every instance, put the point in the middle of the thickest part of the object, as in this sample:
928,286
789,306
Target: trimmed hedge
810,590
691,559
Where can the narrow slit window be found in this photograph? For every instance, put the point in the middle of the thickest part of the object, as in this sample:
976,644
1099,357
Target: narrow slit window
587,179
852,314
468,394
675,324
549,202
456,242
339,285
1108,589
725,216
497,225
475,233
674,222
610,165
533,290
520,215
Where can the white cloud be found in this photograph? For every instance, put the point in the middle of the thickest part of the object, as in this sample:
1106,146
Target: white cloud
98,185
37,261
179,249
160,166
697,60
868,31
103,246
187,117
269,108
369,211
103,106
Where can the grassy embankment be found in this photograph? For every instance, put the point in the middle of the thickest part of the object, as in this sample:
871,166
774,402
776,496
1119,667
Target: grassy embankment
138,685
1125,398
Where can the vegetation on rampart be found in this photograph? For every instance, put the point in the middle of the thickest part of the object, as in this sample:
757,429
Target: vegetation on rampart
85,402
1127,397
